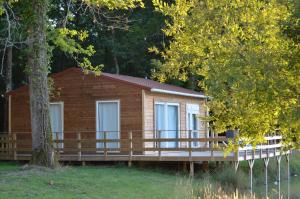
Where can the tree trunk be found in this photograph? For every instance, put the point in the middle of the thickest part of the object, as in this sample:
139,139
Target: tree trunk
42,146
8,82
115,59
116,63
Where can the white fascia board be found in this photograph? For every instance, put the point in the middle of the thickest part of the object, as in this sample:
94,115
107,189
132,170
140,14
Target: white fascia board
156,90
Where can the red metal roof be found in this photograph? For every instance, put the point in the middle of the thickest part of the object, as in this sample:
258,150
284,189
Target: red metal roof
136,81
151,84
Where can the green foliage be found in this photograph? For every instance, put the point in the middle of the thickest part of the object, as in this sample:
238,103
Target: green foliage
113,4
72,41
250,65
68,41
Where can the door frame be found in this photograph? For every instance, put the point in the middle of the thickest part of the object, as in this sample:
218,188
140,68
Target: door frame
188,110
166,118
119,118
61,103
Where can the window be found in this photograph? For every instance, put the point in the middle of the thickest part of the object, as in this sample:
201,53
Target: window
108,121
57,122
167,122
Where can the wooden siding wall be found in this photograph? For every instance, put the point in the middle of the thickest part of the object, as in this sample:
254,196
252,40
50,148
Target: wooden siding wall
79,94
149,121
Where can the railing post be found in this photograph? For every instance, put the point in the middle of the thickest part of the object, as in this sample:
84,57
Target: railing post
190,145
79,145
159,144
1,145
212,147
130,148
57,141
104,144
15,146
10,146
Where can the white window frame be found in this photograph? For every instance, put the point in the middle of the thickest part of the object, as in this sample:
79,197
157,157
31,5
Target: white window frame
188,110
62,118
166,117
119,118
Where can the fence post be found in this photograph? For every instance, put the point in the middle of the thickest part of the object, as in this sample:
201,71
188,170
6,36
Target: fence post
79,145
130,148
104,144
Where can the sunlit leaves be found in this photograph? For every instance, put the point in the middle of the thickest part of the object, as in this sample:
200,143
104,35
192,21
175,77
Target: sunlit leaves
250,66
115,4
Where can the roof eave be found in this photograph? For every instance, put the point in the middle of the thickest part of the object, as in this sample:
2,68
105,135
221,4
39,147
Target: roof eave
156,90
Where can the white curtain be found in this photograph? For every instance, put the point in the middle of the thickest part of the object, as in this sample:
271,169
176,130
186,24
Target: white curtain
56,123
167,123
160,122
108,121
172,124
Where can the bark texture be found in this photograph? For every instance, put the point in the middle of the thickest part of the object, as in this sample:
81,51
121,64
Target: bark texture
8,82
43,152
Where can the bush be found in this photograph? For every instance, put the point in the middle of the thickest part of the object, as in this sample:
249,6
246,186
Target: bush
228,178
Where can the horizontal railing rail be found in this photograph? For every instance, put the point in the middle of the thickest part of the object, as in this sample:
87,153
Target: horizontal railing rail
139,145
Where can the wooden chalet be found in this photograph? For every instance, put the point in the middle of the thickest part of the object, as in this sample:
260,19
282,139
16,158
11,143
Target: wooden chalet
121,118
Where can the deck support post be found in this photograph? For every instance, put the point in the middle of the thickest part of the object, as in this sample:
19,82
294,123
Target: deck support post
192,169
266,161
278,175
236,166
288,174
185,169
251,164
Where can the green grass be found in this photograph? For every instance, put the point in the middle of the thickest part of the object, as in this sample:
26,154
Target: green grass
114,182
87,182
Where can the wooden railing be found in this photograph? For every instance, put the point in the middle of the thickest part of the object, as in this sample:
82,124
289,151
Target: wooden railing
134,146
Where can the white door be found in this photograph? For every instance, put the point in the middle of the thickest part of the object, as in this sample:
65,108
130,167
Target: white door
167,123
57,127
193,122
108,122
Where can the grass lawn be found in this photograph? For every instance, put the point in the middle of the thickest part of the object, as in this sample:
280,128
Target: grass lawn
119,181
105,182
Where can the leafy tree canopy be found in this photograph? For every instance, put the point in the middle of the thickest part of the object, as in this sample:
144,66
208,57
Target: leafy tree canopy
249,63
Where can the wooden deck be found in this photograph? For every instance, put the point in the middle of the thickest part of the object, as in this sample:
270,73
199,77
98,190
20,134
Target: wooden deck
79,147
